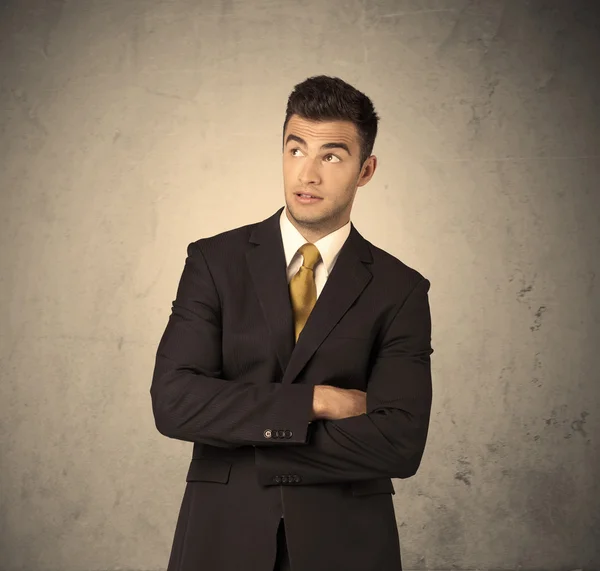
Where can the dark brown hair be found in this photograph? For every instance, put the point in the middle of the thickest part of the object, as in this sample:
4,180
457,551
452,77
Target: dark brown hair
323,98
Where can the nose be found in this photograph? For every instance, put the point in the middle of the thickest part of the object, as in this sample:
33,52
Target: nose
309,174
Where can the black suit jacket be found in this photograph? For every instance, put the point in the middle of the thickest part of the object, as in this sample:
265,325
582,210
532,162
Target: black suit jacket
229,378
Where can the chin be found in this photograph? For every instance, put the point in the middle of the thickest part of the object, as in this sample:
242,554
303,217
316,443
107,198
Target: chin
310,219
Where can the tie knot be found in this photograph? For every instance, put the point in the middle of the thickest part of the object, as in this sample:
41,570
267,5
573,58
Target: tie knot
311,255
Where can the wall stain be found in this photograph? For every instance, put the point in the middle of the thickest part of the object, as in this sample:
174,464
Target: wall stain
543,496
537,364
553,420
538,318
527,285
448,534
465,473
51,17
497,448
535,381
577,425
523,291
29,110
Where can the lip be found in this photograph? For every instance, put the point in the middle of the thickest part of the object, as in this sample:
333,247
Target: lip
309,193
306,201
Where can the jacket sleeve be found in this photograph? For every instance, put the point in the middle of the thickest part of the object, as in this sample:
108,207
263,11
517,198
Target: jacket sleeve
387,441
190,401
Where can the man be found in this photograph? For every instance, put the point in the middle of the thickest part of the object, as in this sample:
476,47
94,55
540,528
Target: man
297,360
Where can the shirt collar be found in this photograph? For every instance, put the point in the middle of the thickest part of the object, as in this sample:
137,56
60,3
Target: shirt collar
329,246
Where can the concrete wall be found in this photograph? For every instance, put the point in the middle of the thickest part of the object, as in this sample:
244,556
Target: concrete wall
131,128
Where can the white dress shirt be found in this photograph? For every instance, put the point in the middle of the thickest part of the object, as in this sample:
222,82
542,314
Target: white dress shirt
329,247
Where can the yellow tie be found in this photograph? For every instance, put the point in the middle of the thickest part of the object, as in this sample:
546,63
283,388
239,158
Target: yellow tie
303,291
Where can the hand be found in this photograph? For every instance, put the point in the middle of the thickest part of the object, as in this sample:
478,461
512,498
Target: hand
333,403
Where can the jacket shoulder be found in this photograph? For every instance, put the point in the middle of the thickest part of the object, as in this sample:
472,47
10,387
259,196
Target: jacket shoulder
394,268
224,243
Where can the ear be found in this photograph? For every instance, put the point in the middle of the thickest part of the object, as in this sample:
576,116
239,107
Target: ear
367,171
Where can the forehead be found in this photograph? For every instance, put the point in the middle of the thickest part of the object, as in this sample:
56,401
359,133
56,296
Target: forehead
320,132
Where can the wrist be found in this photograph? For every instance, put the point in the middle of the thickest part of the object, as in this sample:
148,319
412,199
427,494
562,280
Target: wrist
320,401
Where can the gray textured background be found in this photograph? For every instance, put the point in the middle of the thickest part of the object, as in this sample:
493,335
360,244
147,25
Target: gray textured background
131,128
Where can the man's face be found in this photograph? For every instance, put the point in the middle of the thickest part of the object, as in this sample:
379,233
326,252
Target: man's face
322,159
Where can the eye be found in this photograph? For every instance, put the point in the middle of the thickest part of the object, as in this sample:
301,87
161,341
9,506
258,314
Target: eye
337,160
292,151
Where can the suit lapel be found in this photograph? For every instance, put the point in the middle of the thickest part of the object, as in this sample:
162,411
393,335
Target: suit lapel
346,282
266,263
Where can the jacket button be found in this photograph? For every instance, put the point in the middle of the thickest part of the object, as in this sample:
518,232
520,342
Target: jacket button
284,479
288,433
267,433
297,478
277,479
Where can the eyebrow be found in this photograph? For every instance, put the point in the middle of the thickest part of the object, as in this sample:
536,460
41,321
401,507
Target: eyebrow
325,146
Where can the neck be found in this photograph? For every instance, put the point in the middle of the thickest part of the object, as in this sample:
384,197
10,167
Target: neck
314,232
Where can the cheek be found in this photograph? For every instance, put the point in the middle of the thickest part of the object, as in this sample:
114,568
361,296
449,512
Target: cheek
286,178
289,171
343,182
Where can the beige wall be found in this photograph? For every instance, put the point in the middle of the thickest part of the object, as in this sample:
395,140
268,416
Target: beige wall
131,128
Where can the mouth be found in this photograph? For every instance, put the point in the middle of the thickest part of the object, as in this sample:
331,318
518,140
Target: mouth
307,195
